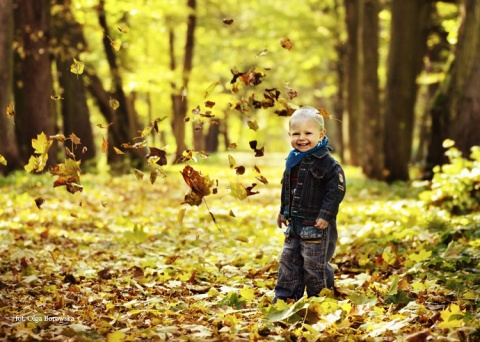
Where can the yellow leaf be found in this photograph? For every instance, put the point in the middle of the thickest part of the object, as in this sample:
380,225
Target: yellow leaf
237,190
210,89
421,256
114,103
41,144
253,125
32,164
10,110
139,174
3,161
77,67
117,336
181,215
452,317
247,293
117,150
231,161
389,256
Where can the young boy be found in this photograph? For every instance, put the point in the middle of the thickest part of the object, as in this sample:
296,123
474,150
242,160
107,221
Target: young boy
313,186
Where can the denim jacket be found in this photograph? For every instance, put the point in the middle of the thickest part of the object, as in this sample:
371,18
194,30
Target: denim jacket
319,191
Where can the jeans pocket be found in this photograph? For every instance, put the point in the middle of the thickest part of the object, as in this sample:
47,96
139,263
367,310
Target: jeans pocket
310,233
288,231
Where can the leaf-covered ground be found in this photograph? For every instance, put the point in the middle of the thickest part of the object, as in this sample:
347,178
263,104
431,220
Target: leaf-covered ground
121,261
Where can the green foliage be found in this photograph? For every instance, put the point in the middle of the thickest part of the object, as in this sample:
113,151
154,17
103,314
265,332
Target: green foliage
456,186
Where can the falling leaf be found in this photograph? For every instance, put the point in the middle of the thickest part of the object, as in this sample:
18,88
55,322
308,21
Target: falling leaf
104,145
210,89
253,146
123,28
231,161
199,185
68,175
154,173
102,126
323,112
118,151
56,97
262,179
74,139
232,146
209,104
139,174
3,161
286,43
240,170
228,21
69,153
115,45
253,125
181,215
10,111
231,213
114,103
39,201
184,92
58,137
41,146
262,53
159,155
77,67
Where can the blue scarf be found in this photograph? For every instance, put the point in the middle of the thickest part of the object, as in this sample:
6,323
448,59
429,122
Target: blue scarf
295,156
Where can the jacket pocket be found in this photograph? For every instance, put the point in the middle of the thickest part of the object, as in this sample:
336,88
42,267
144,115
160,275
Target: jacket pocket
318,172
311,233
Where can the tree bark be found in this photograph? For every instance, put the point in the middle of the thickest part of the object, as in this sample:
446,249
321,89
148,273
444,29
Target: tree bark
180,102
353,9
407,46
465,96
455,112
8,144
33,77
69,42
128,126
370,111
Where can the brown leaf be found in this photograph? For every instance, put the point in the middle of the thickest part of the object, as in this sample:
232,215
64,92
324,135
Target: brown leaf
199,185
159,155
262,179
228,21
137,272
286,43
105,273
323,112
39,201
240,170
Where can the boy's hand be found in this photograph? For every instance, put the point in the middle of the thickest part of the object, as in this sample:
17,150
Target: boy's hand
281,220
321,224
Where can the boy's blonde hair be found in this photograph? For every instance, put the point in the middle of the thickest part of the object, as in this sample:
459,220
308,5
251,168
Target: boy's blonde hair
308,113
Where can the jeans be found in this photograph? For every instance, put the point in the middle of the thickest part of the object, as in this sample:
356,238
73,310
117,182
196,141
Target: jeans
304,260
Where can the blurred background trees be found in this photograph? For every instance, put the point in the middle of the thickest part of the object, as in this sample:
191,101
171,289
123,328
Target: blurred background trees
398,77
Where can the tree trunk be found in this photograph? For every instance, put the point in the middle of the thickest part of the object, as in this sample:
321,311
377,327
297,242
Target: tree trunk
464,95
211,140
128,126
33,77
69,42
370,118
353,9
407,45
179,102
8,144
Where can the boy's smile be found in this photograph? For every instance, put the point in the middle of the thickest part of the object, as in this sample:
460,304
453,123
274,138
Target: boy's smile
305,134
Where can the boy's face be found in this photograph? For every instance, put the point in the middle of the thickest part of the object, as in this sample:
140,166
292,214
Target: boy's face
305,134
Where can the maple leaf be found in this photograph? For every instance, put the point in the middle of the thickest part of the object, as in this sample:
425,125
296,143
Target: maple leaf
452,317
199,185
68,175
41,146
